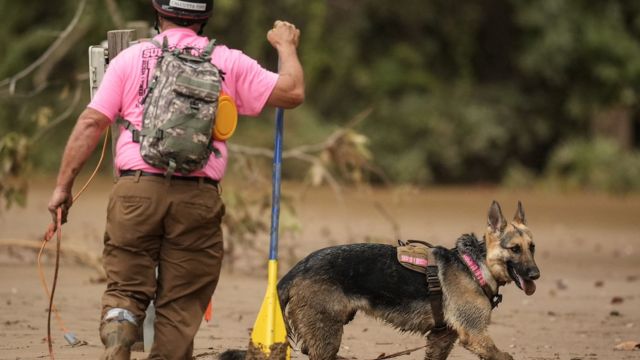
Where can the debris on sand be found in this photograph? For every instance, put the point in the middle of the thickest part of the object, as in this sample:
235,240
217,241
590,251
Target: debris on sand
617,300
277,351
628,346
561,284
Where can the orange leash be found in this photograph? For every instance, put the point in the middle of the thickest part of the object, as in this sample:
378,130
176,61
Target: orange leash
56,230
48,237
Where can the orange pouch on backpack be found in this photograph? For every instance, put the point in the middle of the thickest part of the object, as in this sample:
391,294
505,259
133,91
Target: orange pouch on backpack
226,118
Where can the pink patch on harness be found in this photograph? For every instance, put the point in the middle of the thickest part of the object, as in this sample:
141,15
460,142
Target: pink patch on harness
414,260
475,268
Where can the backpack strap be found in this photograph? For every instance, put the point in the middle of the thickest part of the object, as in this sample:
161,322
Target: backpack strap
206,54
135,133
214,149
155,43
164,46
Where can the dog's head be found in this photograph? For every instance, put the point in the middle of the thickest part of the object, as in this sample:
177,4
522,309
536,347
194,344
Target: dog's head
510,249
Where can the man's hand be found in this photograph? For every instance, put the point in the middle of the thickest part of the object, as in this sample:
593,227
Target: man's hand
283,34
61,198
289,90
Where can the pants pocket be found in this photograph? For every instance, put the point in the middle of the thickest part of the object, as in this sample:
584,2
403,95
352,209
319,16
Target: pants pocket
133,206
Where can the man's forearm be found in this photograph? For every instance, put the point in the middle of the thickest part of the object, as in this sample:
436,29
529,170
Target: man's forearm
82,142
291,70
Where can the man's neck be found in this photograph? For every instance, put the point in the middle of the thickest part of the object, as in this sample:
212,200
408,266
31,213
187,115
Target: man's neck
169,25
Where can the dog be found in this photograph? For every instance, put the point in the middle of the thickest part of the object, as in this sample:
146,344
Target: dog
323,292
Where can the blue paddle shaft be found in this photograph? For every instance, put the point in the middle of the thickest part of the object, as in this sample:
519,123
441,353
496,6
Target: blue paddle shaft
275,194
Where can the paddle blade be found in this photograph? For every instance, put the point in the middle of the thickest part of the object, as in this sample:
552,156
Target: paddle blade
269,335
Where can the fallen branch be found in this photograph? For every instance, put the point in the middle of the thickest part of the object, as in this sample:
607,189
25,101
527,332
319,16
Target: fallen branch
205,354
399,353
331,140
290,154
303,149
307,153
83,257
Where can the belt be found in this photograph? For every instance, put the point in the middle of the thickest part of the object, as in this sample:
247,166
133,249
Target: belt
204,179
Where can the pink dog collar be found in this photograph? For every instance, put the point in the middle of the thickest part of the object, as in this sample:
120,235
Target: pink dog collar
475,269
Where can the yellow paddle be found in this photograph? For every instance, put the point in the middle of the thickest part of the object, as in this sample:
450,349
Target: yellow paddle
269,335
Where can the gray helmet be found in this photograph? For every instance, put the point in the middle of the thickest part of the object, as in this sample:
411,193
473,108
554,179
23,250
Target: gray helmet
184,9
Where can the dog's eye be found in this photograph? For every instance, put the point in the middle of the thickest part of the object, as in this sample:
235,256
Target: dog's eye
516,249
532,248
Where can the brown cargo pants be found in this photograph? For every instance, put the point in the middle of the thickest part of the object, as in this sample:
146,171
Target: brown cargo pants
174,225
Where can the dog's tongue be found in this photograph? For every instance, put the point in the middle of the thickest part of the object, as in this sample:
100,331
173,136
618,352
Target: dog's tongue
528,286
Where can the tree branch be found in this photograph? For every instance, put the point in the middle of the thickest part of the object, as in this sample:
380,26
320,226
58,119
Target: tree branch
116,14
62,117
335,135
45,56
83,257
294,152
303,152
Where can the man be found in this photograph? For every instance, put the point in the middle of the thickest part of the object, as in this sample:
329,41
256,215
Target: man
172,223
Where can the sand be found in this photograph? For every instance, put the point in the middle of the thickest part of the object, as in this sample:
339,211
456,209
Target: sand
587,299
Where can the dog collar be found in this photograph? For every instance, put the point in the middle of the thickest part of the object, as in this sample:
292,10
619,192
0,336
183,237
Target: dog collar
473,266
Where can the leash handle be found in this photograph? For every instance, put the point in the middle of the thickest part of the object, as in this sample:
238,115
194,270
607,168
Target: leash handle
55,279
275,194
54,227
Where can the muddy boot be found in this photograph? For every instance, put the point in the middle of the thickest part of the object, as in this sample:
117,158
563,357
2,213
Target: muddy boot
118,333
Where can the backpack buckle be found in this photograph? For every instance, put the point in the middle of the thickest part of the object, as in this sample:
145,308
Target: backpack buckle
135,136
159,134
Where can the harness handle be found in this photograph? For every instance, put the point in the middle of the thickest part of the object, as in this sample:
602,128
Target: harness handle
422,242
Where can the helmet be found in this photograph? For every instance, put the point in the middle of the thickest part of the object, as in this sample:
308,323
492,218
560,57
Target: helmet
184,9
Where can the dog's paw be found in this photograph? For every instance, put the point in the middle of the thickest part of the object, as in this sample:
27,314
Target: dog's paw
504,356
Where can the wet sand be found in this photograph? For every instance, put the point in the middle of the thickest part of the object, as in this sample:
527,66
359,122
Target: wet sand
588,251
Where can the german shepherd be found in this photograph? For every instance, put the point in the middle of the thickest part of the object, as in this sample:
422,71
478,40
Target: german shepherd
324,291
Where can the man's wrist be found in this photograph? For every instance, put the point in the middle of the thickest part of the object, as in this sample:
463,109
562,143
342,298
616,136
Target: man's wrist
64,186
287,50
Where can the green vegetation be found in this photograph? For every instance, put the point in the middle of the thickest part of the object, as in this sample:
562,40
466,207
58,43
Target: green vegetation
461,91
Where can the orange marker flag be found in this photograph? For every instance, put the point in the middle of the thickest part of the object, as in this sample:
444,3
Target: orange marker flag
209,312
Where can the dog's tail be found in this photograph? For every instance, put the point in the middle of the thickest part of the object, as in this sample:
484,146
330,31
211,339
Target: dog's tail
284,295
284,285
233,354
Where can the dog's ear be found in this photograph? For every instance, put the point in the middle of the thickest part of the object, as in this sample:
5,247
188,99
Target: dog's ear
519,218
496,220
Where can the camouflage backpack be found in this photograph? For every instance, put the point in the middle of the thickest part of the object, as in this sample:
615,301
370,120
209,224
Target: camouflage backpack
179,111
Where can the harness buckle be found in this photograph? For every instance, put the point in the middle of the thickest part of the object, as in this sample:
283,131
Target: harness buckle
496,300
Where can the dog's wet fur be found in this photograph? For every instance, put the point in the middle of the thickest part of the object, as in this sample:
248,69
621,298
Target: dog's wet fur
323,292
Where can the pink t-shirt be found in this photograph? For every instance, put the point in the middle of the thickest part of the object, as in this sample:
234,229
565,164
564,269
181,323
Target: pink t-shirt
128,75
